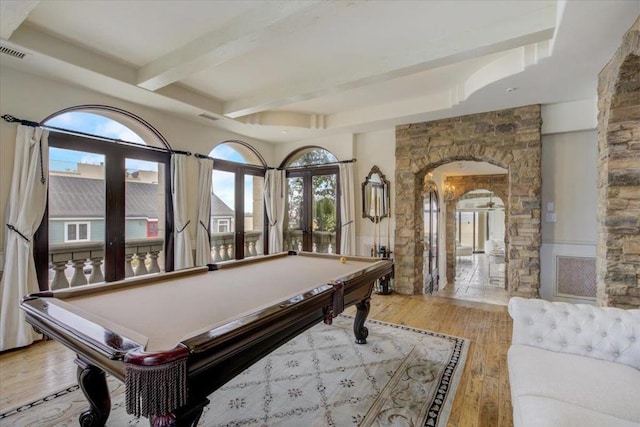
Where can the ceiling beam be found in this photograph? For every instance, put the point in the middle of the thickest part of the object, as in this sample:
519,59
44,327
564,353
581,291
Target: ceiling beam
12,15
533,27
258,27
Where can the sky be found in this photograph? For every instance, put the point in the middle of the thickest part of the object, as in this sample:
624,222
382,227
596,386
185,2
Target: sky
66,160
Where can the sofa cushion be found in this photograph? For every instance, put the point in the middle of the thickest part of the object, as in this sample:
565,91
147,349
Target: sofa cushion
536,411
599,385
606,333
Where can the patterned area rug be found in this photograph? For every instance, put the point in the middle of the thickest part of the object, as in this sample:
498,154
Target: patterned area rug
401,377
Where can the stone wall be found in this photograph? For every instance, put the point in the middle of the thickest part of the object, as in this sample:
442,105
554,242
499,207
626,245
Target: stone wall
498,184
506,138
618,253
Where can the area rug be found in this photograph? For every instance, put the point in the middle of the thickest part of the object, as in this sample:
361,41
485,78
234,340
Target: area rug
401,377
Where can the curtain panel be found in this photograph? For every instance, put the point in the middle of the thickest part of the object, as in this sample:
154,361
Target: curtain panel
203,236
182,256
347,209
25,209
274,200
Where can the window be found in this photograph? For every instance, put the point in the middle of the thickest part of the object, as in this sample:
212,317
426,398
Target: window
312,220
224,226
77,231
85,172
237,203
152,228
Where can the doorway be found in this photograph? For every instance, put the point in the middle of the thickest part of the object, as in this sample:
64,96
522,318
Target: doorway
480,249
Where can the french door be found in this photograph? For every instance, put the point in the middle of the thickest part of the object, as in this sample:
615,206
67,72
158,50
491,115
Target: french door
431,211
312,222
109,213
238,227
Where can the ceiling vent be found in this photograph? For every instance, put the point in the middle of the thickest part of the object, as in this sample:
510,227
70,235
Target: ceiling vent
208,117
12,52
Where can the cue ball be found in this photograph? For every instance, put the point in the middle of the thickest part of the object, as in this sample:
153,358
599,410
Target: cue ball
343,260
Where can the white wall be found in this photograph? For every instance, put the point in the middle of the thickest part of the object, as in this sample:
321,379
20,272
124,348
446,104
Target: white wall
34,98
374,149
569,172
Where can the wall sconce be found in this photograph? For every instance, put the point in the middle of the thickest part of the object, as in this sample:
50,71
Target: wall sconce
449,192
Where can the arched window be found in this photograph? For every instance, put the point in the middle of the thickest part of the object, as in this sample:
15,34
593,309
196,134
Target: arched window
312,222
238,152
237,224
99,154
309,156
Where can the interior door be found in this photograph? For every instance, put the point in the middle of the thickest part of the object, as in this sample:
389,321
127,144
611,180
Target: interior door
431,210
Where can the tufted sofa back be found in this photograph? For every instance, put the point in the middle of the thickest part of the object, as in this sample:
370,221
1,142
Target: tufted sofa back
605,333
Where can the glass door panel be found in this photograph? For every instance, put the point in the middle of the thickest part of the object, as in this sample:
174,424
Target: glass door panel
294,219
253,215
430,253
434,233
324,213
222,225
76,218
144,217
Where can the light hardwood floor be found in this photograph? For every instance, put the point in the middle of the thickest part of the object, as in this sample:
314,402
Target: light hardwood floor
482,399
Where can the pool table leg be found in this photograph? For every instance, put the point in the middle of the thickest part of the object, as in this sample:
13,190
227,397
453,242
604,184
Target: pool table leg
93,383
187,416
362,311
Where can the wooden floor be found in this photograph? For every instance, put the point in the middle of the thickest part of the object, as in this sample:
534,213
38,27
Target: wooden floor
482,399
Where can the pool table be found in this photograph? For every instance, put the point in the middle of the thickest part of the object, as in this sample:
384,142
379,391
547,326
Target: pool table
174,338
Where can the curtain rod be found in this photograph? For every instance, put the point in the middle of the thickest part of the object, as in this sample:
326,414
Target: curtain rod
11,119
202,156
319,165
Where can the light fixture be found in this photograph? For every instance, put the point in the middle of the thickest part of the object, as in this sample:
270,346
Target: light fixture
284,131
512,89
449,192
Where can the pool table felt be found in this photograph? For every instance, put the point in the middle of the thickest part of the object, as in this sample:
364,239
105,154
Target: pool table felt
164,312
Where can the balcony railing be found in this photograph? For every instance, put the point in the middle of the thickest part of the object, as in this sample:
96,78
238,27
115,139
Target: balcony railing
323,241
77,264
223,245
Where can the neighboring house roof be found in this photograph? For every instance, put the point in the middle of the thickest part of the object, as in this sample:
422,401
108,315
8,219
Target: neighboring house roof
220,208
71,196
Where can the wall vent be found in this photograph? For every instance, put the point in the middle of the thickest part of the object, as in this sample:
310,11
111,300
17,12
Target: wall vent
12,52
208,117
576,276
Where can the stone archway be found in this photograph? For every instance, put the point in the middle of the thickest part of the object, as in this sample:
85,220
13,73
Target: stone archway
498,184
508,138
618,261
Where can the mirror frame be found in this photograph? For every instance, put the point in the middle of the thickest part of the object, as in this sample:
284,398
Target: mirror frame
367,187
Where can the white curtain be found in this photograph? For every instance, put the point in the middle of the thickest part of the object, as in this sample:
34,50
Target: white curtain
203,243
25,208
182,257
347,209
274,194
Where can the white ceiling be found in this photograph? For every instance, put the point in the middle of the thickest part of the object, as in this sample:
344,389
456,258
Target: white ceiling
317,68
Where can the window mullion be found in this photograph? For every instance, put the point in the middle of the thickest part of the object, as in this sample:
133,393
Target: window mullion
239,228
114,215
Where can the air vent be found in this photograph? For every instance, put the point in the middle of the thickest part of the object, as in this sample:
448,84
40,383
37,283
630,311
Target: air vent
208,117
12,52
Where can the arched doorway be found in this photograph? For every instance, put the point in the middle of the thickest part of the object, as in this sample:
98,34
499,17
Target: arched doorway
507,138
619,177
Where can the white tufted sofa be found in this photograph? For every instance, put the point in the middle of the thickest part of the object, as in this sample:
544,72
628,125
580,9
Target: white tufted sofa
574,365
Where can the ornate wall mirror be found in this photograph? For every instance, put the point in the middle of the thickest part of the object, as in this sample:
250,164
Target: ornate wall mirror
375,196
